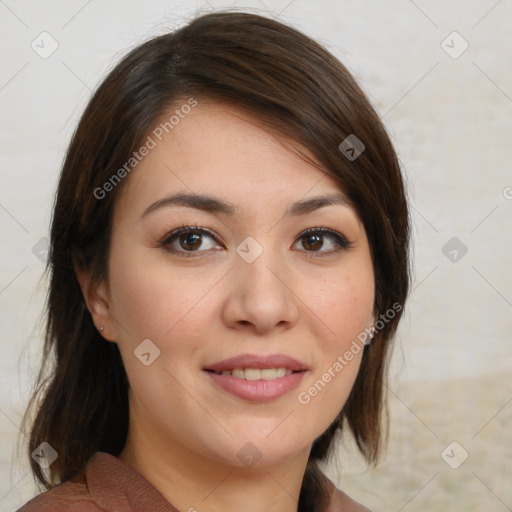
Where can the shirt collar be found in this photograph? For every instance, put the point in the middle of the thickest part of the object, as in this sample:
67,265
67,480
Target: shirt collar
117,487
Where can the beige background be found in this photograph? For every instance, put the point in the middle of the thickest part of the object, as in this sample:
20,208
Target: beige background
450,120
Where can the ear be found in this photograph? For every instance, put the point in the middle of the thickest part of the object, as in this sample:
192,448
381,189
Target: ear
370,326
98,303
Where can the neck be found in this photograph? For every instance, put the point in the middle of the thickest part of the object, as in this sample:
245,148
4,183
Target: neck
194,483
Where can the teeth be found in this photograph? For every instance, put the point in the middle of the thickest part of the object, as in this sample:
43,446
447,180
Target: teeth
257,374
253,373
268,374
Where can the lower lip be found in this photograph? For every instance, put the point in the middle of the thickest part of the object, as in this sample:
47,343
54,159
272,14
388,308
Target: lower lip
257,390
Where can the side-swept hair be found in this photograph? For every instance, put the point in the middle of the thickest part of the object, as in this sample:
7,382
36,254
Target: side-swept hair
296,88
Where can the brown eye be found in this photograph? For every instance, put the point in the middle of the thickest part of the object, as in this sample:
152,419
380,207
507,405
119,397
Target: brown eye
188,239
313,240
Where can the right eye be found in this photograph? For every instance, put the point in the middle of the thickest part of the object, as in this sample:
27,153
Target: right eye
187,240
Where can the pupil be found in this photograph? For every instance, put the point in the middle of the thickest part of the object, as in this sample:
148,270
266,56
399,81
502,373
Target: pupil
316,240
187,242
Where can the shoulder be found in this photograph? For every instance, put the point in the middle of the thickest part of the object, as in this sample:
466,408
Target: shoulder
66,497
72,495
105,484
341,502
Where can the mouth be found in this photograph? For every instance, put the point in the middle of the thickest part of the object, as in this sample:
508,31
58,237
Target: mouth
257,379
256,373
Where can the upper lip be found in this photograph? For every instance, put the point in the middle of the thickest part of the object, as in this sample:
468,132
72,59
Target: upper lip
255,361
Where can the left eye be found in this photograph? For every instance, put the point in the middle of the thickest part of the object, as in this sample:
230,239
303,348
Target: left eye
314,238
190,240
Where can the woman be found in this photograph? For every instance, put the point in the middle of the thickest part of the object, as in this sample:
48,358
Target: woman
229,263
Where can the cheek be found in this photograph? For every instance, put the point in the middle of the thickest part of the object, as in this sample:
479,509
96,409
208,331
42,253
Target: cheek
343,306
150,299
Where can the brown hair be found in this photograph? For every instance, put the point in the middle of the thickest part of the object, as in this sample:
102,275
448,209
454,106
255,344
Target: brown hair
301,92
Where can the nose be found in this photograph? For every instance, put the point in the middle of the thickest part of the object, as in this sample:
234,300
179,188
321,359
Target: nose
262,294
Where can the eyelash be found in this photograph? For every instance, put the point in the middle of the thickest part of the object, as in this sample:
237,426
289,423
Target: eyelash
340,240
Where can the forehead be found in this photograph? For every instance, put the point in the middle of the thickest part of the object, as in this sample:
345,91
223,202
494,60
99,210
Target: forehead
222,151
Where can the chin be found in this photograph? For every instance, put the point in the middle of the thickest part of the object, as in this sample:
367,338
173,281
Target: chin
253,447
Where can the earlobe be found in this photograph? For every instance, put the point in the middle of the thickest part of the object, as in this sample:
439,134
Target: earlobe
97,301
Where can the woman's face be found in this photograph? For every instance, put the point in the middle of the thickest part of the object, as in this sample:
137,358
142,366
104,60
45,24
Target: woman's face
247,288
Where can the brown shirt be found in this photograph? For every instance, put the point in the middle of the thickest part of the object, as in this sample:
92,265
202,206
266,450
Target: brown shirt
107,484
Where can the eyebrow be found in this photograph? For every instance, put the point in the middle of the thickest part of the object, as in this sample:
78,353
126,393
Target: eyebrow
213,205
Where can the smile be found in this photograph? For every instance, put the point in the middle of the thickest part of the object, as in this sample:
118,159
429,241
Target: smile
257,373
255,377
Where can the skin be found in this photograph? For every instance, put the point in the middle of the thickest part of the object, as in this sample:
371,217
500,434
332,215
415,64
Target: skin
185,432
